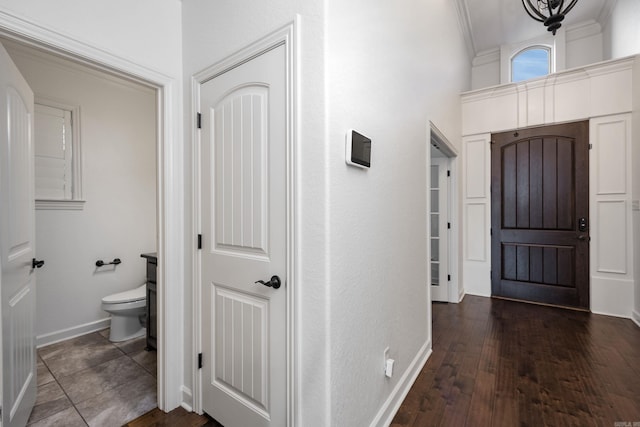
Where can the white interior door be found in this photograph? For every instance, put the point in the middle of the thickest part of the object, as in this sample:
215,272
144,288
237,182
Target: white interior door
243,211
17,233
439,233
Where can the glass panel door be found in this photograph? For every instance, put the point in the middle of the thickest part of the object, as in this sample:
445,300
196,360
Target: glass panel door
438,235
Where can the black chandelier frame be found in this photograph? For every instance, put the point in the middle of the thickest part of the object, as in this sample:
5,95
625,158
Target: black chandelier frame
550,12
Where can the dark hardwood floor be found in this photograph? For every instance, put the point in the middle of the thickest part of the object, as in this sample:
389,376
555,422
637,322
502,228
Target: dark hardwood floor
179,417
504,363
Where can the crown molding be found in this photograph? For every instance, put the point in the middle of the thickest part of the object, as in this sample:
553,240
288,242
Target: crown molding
582,30
605,12
465,26
487,57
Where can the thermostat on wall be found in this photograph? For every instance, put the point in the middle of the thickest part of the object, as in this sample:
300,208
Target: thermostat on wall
358,149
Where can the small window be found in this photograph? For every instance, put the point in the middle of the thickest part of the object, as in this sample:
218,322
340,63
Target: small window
530,63
57,156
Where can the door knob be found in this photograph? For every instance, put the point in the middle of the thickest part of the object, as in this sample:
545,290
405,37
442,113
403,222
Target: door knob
582,237
273,283
36,264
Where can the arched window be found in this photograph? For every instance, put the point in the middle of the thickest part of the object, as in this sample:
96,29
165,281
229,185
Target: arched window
531,62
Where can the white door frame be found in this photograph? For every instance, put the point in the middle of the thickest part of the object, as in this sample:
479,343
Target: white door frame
287,36
437,138
169,185
444,233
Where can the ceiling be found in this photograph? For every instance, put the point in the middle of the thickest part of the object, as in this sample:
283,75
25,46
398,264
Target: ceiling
491,23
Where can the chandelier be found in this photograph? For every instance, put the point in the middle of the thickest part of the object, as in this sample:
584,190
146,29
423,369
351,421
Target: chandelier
549,12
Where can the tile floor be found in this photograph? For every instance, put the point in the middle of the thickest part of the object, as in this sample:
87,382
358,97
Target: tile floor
89,381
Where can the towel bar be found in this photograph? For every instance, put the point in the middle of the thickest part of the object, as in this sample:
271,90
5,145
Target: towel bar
100,263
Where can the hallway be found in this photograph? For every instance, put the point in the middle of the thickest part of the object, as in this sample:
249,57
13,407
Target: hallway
504,363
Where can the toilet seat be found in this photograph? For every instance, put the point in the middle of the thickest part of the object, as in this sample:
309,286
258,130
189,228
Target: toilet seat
133,295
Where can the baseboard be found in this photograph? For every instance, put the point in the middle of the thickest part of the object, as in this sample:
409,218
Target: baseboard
400,391
187,398
74,331
635,316
461,296
478,293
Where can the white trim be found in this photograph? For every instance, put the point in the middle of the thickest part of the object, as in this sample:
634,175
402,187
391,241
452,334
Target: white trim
70,65
61,205
574,74
187,398
453,252
606,11
394,401
441,141
287,36
635,316
487,57
72,332
464,20
76,159
455,264
170,171
196,292
584,29
550,52
556,44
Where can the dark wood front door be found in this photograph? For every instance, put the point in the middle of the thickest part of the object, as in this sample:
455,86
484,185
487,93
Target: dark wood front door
540,214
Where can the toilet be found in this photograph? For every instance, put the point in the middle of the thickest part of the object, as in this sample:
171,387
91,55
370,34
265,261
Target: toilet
127,311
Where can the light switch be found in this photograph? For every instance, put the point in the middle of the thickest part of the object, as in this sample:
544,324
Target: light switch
388,368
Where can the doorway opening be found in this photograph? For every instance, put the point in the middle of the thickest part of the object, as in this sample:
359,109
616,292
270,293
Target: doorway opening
443,260
169,220
235,262
540,215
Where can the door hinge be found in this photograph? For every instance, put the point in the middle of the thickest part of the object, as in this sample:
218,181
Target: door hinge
448,173
199,241
448,277
199,360
448,225
590,146
199,121
491,232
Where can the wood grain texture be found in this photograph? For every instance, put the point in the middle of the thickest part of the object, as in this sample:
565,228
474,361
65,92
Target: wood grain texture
178,417
540,190
504,363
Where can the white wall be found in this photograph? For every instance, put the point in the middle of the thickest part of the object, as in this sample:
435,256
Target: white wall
635,184
143,39
621,30
118,142
146,32
389,69
603,93
584,45
578,45
485,71
362,281
212,31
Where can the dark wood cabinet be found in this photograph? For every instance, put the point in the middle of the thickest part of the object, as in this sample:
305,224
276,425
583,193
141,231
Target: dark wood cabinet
152,312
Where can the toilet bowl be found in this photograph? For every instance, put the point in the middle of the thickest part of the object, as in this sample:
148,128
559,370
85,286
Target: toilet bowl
127,311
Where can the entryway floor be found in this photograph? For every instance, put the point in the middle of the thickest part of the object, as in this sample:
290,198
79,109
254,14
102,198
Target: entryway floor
89,381
502,363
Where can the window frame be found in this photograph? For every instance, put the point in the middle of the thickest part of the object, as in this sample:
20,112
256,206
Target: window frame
76,202
550,61
557,45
